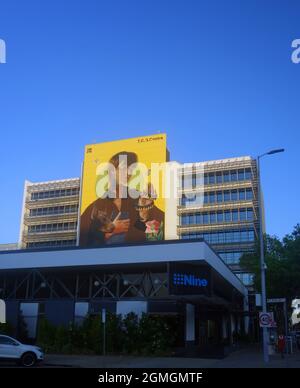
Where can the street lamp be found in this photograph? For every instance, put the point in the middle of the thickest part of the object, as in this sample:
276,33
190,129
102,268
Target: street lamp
262,254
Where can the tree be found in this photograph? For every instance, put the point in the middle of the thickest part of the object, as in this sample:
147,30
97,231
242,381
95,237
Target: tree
282,259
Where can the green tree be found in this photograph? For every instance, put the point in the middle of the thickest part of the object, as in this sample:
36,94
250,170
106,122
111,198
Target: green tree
282,259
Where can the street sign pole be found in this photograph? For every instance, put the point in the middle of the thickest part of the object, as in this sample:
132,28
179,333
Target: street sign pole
262,267
103,316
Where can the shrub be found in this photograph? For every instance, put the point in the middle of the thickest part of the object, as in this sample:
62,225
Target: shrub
7,329
149,335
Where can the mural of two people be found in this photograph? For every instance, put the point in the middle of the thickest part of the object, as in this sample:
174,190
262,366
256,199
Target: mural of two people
115,219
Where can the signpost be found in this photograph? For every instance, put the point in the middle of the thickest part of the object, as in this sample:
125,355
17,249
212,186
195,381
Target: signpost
276,300
266,320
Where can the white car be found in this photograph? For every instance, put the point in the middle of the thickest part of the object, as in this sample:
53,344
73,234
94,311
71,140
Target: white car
13,350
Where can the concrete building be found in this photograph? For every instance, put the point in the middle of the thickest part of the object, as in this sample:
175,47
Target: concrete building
50,214
217,201
219,204
186,262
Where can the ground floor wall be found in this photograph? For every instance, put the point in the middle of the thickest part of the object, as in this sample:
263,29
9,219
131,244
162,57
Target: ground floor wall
195,325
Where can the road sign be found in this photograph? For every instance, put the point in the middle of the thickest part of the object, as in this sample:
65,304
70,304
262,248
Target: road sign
276,300
266,320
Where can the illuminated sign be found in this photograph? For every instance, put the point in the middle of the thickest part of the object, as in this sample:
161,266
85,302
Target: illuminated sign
189,279
182,279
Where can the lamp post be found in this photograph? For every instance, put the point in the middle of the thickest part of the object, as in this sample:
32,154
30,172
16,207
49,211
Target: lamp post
262,254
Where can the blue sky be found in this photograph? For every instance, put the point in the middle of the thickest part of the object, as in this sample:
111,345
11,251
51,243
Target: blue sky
216,76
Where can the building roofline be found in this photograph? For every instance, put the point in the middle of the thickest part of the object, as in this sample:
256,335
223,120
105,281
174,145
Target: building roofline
226,160
128,138
44,183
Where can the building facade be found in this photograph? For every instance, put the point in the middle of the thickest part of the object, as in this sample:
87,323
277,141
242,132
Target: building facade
219,204
217,201
50,214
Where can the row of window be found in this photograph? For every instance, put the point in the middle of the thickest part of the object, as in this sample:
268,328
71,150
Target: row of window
43,211
55,193
234,215
49,244
216,197
219,177
222,237
52,227
231,257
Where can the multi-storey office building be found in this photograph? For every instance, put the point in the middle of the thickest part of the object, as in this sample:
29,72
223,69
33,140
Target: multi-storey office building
136,271
50,214
219,203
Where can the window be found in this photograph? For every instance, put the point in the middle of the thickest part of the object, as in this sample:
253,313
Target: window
227,215
226,195
54,193
244,236
249,194
231,257
49,244
206,198
242,195
211,178
235,215
222,237
249,214
81,311
192,219
7,341
234,195
233,175
248,174
220,216
251,235
226,176
212,197
52,227
199,218
213,218
241,175
205,218
219,177
30,312
183,219
219,196
242,214
194,180
246,278
206,179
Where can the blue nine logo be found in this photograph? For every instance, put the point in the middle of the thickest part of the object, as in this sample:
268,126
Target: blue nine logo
181,279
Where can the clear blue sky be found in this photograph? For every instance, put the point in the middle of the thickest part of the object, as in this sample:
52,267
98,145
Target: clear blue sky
216,76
